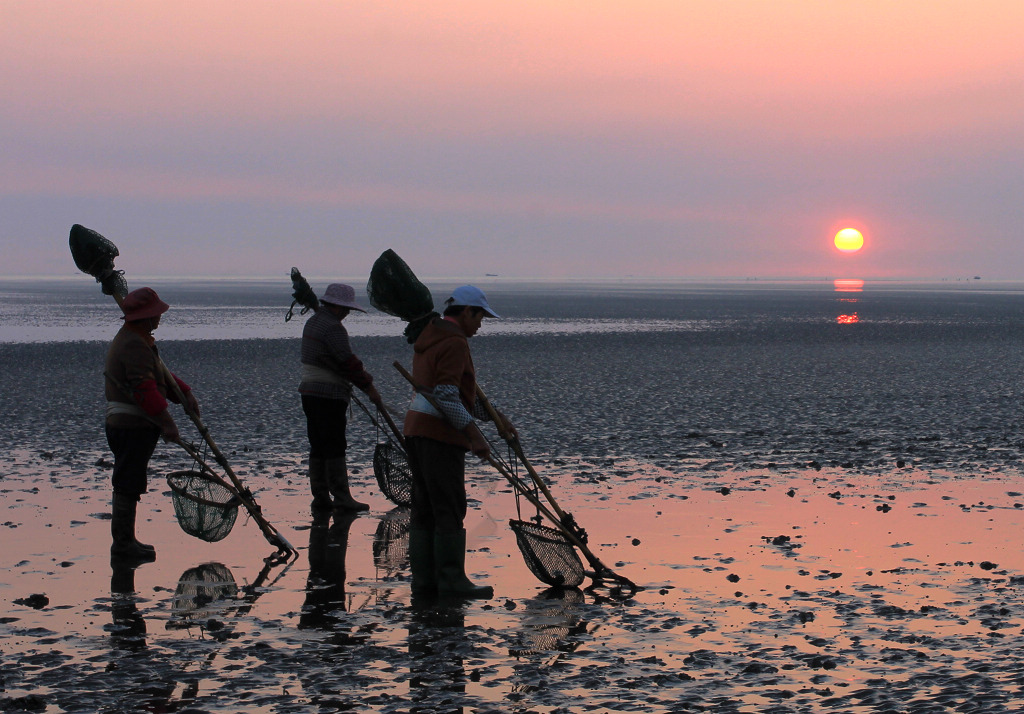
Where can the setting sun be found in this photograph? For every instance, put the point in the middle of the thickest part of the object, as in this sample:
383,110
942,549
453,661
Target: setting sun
849,240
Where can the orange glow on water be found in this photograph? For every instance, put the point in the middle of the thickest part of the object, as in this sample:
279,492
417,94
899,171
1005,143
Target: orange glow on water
848,285
848,319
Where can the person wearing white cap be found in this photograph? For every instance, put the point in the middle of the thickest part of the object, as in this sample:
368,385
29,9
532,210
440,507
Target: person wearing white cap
437,442
329,370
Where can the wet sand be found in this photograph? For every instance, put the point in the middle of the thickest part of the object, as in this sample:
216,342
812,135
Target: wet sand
811,584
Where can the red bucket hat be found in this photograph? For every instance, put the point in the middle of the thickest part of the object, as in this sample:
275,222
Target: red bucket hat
142,303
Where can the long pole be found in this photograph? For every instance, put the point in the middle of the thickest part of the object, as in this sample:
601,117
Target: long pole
518,448
601,570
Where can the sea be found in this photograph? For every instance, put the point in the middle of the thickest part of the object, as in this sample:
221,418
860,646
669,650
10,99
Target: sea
731,374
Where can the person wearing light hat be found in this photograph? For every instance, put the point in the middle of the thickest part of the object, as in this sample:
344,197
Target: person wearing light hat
437,442
329,370
137,390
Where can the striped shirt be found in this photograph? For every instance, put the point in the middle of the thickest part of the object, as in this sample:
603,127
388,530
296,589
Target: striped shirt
325,345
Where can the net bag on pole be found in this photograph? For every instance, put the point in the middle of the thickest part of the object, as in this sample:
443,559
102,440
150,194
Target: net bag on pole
548,554
394,477
394,289
205,507
94,255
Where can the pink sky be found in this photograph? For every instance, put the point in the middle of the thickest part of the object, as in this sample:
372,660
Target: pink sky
647,139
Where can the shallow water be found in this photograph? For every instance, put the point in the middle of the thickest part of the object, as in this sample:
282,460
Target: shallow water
823,517
761,593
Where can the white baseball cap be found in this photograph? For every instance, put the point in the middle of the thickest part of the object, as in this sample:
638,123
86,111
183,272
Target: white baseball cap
471,296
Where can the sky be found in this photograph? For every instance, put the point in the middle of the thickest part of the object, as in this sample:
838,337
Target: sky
594,139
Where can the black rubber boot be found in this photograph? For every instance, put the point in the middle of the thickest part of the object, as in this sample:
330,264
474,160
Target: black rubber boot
450,560
337,480
144,546
122,531
318,486
421,563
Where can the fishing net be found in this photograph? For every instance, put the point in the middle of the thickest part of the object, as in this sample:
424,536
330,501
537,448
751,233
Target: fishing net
302,294
94,255
394,476
548,554
391,541
205,506
394,289
203,592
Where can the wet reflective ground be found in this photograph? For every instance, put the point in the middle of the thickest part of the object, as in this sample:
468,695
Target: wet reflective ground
762,592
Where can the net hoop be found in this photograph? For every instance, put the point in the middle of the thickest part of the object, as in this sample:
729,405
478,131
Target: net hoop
204,506
393,473
548,554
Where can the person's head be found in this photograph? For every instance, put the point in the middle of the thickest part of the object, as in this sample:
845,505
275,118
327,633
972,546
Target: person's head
339,299
468,306
143,308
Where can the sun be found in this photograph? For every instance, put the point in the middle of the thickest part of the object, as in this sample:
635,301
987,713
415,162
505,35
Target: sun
849,240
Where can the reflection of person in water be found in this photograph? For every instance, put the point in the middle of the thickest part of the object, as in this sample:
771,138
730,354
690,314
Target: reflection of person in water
128,630
325,587
437,645
131,661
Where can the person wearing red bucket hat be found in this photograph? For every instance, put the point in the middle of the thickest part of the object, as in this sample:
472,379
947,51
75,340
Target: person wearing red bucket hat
137,391
329,370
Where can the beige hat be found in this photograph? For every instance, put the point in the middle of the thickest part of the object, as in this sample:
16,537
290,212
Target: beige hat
341,295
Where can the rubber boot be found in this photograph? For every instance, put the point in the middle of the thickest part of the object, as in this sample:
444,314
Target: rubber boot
144,546
318,485
421,563
450,561
337,480
122,531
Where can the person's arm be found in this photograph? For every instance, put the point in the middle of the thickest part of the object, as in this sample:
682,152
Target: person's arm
142,369
347,364
504,425
449,369
191,404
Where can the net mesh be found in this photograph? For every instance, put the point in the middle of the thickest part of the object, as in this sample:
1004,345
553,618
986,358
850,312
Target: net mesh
93,254
391,541
205,507
394,476
394,289
548,554
202,592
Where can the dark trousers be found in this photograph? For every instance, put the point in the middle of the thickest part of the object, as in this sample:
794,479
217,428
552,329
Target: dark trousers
326,421
438,485
133,448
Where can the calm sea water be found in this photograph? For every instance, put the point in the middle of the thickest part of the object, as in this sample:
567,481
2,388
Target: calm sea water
74,309
721,375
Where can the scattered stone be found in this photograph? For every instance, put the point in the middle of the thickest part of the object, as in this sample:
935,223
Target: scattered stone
28,703
37,601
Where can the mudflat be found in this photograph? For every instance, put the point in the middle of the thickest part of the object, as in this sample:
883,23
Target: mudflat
820,556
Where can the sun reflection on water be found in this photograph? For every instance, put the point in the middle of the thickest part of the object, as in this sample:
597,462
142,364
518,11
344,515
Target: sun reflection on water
848,285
